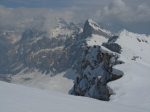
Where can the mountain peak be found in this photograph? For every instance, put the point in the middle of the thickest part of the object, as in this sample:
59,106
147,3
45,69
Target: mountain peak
91,27
93,24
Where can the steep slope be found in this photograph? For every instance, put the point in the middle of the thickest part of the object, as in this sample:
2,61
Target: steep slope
91,27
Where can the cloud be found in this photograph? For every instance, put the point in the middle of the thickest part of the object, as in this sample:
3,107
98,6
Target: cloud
114,14
120,10
120,14
36,3
40,18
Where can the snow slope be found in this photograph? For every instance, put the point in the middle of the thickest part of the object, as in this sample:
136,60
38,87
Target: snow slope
15,98
135,45
96,40
133,89
61,82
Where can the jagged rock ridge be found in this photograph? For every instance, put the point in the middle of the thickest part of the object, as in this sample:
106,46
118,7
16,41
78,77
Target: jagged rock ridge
91,27
96,65
96,71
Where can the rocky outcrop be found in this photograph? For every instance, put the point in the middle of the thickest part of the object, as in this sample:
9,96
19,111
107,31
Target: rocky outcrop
112,45
96,71
95,68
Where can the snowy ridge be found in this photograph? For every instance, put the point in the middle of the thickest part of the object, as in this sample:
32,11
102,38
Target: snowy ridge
134,46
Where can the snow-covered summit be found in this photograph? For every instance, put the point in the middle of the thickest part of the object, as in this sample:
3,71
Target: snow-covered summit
134,46
94,34
96,26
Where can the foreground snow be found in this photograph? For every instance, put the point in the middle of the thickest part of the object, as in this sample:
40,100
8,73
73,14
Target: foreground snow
133,89
61,82
15,98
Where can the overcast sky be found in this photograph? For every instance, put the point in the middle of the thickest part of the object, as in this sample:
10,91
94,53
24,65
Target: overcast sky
133,15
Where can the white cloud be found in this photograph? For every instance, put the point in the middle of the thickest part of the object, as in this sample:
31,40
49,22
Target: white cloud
124,12
22,18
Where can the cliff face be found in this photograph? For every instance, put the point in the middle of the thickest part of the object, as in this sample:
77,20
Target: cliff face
91,27
96,71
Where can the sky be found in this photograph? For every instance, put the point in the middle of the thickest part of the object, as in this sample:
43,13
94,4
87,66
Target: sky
133,15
